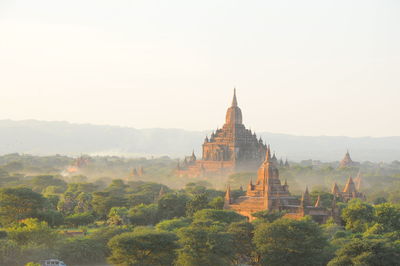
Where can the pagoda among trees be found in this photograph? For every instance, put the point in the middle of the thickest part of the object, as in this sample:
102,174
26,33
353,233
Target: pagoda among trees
350,190
347,161
269,194
229,149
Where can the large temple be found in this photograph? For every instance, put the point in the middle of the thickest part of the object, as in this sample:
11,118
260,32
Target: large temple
229,149
268,193
234,148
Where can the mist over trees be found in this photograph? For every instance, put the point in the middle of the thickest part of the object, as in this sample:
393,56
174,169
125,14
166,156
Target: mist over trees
47,138
100,213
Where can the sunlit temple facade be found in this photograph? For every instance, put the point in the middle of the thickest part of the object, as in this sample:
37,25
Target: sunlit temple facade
268,193
350,190
229,149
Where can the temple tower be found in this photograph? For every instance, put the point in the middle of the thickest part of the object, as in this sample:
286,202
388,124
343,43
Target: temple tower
229,149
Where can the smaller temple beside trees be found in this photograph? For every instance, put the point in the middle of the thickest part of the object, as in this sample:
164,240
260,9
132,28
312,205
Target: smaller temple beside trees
268,193
350,190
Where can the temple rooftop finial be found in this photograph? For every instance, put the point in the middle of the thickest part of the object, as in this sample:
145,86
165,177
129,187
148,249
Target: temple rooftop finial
268,154
234,101
228,199
318,202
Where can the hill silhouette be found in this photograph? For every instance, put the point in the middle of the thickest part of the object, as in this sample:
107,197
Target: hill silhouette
46,138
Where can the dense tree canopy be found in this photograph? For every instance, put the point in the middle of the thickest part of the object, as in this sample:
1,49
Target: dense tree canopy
358,215
205,245
290,242
87,217
19,203
367,252
143,247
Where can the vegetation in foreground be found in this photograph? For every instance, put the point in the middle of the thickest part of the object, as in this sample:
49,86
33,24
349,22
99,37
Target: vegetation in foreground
147,223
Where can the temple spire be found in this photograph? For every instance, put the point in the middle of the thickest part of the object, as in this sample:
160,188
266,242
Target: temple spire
306,192
334,202
318,202
357,181
228,199
350,186
234,101
278,202
306,200
268,154
335,189
161,192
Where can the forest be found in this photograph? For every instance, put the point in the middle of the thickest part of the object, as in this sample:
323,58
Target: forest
101,214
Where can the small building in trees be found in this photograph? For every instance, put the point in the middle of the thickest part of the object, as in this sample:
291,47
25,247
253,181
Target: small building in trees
350,190
268,193
347,161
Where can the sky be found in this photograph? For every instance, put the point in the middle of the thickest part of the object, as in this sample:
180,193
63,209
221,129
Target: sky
300,67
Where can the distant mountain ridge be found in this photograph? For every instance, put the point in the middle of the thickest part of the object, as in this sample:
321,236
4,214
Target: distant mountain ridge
47,138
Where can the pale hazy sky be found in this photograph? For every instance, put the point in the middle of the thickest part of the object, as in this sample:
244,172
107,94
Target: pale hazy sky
300,67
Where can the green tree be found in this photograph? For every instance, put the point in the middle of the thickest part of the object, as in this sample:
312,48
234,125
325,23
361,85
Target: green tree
222,216
144,214
117,187
103,202
80,219
290,242
172,205
325,198
195,188
53,218
198,202
388,215
13,166
32,231
173,225
367,252
9,252
217,203
144,193
32,264
53,190
205,244
143,247
34,252
19,203
77,188
104,234
331,229
358,215
52,201
118,216
268,216
67,203
82,251
242,233
83,202
41,182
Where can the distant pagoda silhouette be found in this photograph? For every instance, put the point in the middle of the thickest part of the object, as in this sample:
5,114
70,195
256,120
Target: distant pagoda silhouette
347,161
